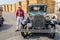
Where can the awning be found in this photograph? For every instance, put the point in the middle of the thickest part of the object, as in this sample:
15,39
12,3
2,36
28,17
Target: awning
2,2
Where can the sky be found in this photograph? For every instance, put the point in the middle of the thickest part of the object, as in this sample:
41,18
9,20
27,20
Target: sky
13,1
8,1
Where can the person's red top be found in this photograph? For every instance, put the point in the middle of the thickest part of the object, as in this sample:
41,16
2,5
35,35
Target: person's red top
20,13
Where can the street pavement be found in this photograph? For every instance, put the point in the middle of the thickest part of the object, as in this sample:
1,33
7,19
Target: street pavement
7,31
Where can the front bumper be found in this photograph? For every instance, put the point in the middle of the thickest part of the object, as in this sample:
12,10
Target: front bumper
38,31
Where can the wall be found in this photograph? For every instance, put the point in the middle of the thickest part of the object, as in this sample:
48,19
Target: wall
25,3
11,7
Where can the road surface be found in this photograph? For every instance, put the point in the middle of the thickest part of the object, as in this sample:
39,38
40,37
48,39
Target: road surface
7,31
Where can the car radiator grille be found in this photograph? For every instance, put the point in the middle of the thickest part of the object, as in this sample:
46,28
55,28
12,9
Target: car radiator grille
38,21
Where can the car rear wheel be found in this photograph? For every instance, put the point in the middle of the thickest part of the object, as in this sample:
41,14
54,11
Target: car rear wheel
1,24
1,21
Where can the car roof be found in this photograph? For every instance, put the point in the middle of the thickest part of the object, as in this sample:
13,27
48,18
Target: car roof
37,4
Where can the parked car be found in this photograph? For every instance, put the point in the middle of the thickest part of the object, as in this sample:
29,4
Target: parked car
1,17
38,21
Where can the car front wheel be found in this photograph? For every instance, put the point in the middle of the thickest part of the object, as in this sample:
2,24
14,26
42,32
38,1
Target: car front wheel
52,35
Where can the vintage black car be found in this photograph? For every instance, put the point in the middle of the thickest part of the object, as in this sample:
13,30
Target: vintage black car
38,21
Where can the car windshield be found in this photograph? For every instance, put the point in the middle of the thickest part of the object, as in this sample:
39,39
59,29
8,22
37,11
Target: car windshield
38,8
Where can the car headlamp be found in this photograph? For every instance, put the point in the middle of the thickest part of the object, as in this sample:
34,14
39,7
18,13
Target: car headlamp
47,18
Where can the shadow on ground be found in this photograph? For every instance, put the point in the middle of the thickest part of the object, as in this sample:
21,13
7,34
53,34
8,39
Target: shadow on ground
5,27
39,35
35,36
57,37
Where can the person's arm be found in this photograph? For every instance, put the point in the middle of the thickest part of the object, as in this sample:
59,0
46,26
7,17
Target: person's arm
23,13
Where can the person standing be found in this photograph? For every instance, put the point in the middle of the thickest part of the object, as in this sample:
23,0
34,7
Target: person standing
19,17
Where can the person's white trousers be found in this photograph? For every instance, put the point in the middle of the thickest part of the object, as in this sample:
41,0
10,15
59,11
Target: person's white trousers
19,21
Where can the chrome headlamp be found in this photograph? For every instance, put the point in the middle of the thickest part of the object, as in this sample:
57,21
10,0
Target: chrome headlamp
47,18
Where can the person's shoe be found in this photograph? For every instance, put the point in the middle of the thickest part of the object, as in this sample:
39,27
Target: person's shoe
16,30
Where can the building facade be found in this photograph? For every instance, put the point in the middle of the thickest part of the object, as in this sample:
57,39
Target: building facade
25,3
11,7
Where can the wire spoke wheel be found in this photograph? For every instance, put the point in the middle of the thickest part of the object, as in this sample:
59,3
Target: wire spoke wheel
25,34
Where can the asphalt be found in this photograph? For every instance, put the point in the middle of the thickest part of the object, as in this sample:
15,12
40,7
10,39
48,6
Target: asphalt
7,31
